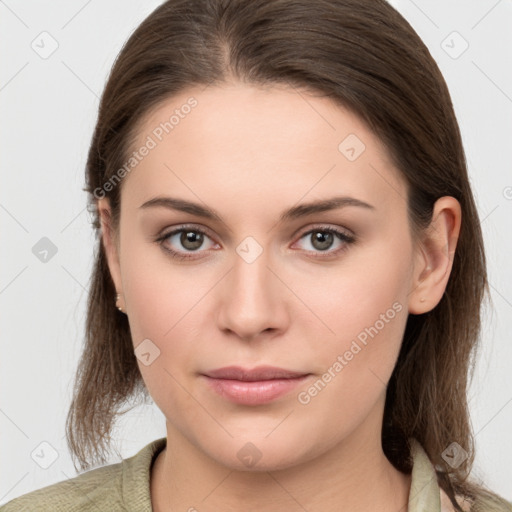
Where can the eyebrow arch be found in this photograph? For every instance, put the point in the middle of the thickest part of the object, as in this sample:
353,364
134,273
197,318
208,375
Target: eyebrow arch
295,212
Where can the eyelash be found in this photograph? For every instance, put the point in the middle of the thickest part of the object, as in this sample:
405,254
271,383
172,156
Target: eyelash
344,237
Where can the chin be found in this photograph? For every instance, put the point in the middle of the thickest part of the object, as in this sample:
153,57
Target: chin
262,454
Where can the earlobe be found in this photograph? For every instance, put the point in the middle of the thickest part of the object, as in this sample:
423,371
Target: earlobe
109,241
434,256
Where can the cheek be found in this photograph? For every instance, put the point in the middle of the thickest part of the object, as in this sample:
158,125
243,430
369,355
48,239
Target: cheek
163,302
365,307
159,293
367,290
169,305
353,371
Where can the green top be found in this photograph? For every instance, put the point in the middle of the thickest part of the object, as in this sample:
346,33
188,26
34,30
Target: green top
125,487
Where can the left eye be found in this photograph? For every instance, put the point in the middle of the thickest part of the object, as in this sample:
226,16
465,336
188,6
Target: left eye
192,239
322,239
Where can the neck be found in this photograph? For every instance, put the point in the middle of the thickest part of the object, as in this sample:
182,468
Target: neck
354,475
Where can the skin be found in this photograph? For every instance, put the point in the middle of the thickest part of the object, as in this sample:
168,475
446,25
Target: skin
249,153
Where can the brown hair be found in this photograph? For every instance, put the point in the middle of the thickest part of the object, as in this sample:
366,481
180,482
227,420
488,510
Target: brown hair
365,56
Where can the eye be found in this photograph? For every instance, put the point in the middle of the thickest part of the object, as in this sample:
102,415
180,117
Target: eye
322,238
186,239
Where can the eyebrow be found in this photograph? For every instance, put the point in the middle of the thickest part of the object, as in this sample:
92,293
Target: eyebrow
295,212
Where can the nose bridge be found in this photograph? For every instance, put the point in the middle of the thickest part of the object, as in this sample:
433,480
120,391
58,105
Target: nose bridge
250,277
250,301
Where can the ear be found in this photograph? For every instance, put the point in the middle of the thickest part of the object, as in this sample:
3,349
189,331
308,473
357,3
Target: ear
434,256
111,245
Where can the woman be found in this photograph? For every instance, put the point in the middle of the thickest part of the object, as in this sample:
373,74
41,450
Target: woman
289,237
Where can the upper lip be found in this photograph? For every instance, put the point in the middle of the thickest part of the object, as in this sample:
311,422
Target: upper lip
253,374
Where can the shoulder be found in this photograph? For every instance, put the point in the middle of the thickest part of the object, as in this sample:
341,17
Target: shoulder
426,491
490,502
447,506
123,486
98,488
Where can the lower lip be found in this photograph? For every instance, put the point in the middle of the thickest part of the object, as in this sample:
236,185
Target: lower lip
254,393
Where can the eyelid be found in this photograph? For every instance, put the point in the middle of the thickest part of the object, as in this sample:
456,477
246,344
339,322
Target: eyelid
345,235
325,227
165,234
183,227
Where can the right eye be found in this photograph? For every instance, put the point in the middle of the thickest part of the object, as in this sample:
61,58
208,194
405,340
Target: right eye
191,239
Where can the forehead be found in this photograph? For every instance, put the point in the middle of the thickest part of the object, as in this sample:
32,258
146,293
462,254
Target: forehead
253,140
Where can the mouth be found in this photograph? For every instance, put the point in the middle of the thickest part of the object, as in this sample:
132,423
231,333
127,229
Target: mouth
254,386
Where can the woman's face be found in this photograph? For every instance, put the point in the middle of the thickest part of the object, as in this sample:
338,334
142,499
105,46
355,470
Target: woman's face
265,281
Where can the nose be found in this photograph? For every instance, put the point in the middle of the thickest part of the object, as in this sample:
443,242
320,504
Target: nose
253,299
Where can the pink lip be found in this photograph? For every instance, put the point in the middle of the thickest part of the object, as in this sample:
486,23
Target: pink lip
253,386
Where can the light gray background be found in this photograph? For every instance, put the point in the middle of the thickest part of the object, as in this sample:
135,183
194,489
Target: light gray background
48,108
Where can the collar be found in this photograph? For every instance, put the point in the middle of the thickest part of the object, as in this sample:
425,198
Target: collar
425,494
